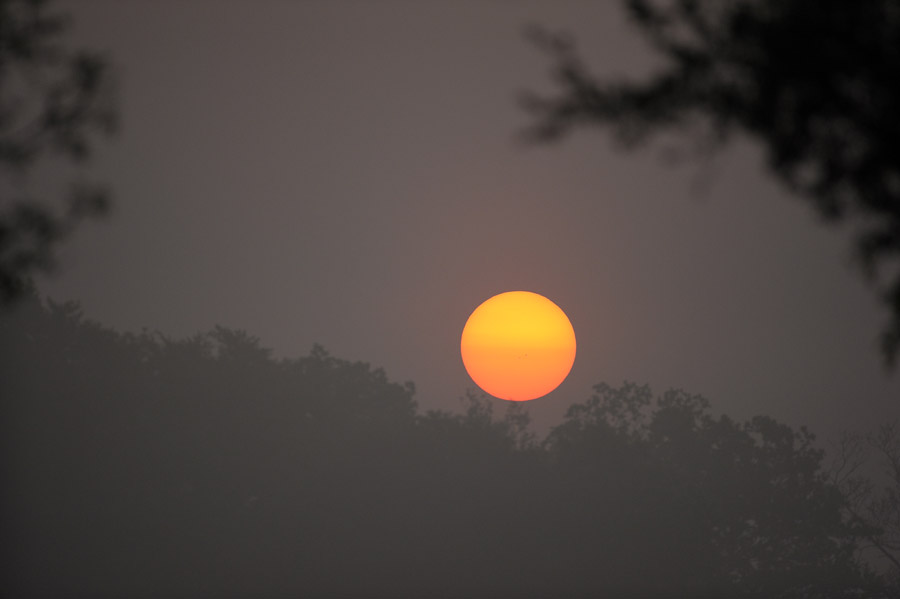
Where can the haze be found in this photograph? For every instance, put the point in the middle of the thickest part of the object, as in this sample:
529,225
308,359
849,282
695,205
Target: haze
352,174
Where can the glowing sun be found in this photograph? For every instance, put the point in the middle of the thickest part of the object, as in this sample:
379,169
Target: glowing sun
518,346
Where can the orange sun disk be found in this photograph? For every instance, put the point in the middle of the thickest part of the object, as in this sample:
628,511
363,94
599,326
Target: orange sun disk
518,346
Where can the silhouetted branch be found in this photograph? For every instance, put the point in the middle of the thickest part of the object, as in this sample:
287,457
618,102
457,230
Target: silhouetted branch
53,101
812,80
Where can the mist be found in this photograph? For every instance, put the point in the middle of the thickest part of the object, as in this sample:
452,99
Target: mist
237,257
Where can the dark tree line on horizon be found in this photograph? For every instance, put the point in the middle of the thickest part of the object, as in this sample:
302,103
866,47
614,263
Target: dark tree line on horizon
135,465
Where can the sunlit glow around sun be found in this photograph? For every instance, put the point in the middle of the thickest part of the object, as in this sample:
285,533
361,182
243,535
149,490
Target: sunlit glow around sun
518,346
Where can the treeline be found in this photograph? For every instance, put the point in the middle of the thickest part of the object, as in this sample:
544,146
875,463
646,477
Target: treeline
135,465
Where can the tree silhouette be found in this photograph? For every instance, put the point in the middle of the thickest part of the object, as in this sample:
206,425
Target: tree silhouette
53,102
136,465
867,470
812,80
708,504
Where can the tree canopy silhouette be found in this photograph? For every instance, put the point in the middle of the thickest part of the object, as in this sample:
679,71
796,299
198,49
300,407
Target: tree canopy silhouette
136,465
54,101
812,80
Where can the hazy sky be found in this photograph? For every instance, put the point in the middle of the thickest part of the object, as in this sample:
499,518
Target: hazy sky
348,173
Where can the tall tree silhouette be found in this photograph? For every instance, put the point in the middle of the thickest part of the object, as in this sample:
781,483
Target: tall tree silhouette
54,101
813,80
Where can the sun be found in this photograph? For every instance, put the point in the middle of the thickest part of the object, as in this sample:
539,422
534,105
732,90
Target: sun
518,346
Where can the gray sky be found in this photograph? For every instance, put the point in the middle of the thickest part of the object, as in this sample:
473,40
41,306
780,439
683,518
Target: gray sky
347,173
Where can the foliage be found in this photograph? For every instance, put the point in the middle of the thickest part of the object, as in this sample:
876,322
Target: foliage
812,80
140,465
872,498
54,101
723,505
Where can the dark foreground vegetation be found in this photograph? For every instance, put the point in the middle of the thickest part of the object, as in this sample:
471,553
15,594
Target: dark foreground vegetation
142,466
